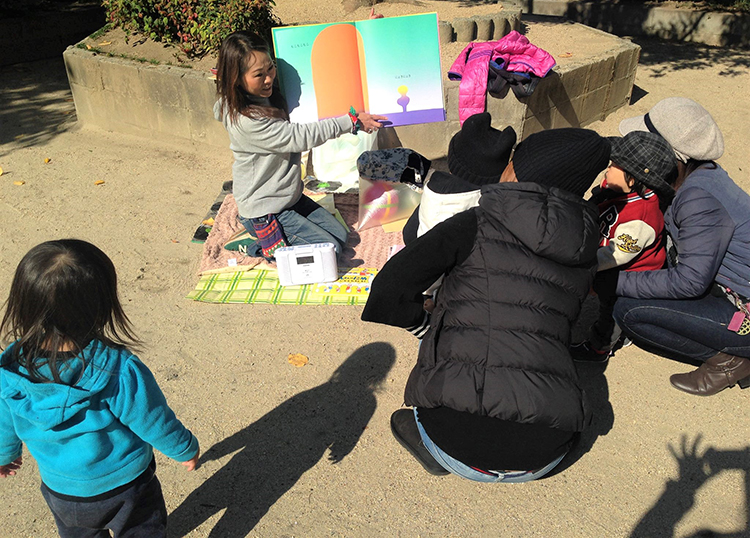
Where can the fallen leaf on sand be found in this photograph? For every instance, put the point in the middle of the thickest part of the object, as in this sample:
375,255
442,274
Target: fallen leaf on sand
47,160
1,171
104,43
208,222
99,182
566,55
175,241
297,359
88,47
19,183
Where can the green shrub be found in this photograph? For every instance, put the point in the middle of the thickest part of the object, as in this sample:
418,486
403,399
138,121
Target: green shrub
196,26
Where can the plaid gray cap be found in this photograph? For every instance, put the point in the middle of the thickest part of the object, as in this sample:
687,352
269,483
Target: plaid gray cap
686,125
647,157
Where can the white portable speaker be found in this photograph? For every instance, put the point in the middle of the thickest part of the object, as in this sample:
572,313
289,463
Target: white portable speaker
306,264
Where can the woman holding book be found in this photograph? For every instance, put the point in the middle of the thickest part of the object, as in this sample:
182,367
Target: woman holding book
267,149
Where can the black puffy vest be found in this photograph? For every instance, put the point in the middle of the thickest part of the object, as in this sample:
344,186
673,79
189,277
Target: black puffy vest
498,343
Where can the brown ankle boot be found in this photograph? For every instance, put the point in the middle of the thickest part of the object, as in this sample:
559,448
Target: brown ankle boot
714,375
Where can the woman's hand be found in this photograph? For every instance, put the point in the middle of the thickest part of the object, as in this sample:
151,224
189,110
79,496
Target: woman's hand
370,122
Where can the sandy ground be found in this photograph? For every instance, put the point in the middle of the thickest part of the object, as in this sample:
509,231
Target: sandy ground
307,451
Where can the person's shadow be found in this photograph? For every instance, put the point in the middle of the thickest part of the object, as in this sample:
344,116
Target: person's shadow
282,445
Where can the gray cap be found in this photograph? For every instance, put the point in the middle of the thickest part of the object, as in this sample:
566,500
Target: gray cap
686,125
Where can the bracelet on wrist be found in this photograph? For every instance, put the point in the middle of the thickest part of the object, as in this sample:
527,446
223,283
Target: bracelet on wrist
356,123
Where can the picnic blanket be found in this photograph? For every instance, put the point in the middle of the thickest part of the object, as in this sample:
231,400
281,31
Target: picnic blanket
230,277
262,286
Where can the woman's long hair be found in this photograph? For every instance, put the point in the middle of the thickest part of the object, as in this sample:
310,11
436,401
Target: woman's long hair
685,169
63,295
233,64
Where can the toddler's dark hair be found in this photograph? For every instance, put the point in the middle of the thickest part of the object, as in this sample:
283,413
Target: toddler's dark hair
64,293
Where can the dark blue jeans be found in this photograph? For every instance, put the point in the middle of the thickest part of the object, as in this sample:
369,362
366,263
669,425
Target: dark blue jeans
687,330
305,223
136,512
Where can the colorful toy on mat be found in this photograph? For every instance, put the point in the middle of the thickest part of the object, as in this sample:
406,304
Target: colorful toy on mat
381,202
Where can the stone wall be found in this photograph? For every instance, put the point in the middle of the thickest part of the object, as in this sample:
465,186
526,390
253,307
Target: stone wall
639,19
173,103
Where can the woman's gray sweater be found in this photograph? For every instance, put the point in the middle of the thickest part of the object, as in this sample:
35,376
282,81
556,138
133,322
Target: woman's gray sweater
266,170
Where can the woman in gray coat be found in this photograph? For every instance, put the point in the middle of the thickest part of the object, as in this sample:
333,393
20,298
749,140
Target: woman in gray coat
695,310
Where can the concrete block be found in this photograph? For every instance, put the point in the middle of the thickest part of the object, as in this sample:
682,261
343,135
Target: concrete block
514,21
484,28
507,111
88,103
626,61
82,68
163,84
600,73
200,92
205,129
500,26
430,139
553,8
451,89
445,32
566,114
559,86
173,120
533,125
593,106
121,76
466,29
620,93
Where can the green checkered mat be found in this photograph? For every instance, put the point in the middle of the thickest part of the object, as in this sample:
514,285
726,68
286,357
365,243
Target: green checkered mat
262,286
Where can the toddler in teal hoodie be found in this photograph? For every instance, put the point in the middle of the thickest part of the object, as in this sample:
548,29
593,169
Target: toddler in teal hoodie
88,409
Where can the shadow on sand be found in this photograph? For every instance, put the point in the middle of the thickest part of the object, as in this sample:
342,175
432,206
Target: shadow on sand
35,103
276,450
678,496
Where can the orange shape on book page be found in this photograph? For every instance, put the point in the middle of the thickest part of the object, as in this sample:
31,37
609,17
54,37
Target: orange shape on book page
337,70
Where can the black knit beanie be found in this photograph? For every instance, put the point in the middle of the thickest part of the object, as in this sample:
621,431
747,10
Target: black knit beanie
478,153
569,159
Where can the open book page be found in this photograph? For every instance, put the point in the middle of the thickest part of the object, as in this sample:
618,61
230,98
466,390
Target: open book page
387,66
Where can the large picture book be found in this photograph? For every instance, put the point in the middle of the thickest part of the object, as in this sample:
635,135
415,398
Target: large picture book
388,66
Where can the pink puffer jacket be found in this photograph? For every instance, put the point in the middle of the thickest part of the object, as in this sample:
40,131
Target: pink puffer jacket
513,52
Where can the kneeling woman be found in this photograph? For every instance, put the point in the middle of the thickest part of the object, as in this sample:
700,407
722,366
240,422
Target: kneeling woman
495,390
266,147
697,309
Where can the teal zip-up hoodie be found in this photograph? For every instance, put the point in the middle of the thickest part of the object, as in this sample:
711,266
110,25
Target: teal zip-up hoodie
96,432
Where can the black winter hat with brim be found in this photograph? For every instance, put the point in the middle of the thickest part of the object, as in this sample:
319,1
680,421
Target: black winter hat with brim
479,153
569,159
647,157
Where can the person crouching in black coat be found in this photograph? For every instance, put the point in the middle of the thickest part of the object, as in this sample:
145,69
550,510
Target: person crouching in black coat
495,394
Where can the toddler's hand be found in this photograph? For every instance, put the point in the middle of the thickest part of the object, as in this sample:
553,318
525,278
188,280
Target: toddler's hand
11,468
374,15
193,463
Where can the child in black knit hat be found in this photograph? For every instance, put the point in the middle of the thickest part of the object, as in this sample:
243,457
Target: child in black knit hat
631,199
477,155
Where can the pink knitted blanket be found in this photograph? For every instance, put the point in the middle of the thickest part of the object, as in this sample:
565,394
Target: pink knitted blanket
368,248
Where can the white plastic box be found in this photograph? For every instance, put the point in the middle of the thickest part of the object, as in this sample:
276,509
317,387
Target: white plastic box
306,264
